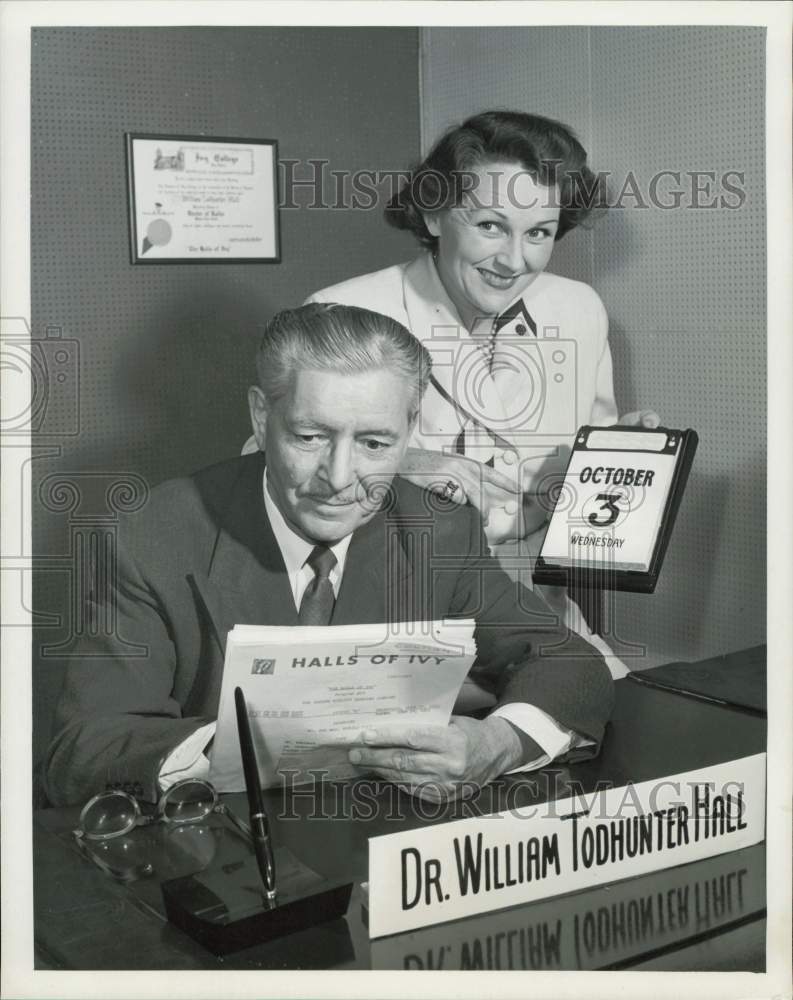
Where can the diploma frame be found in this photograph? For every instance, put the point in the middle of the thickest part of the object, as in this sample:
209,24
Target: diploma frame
260,204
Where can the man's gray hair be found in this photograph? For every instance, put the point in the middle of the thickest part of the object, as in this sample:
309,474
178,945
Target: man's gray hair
325,336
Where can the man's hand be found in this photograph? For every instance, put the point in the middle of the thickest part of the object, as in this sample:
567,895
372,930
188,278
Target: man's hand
640,418
476,483
437,763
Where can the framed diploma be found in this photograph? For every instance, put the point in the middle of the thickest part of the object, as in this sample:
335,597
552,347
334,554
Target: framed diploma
616,508
194,200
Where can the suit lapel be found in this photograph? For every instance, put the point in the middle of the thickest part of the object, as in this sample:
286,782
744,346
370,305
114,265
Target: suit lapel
247,573
243,582
378,580
246,580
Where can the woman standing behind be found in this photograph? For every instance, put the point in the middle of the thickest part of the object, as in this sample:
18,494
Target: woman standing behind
520,356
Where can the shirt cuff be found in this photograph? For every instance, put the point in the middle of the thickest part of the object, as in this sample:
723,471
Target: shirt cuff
187,760
545,731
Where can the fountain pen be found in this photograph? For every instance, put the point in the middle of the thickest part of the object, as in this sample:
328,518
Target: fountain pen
260,826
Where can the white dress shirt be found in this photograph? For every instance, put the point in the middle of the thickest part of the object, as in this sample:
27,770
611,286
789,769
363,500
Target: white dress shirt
296,550
188,760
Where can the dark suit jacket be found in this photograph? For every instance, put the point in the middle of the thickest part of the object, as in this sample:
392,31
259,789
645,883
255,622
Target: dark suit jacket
201,557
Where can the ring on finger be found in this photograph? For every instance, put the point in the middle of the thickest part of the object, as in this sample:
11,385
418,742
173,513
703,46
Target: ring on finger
449,490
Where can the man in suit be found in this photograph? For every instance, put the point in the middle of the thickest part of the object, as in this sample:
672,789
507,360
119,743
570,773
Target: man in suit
316,529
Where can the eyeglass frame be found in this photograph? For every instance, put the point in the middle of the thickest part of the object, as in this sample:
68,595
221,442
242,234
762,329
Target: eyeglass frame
83,839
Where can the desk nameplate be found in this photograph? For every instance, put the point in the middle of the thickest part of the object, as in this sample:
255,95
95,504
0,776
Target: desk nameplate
477,865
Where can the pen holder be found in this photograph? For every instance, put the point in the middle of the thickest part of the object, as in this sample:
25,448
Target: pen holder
224,909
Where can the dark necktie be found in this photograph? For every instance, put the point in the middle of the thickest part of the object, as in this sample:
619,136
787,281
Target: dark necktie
318,598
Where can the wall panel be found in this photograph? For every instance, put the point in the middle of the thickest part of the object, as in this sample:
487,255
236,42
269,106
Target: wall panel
684,287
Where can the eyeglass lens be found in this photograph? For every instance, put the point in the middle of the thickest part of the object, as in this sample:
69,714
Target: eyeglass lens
187,802
109,816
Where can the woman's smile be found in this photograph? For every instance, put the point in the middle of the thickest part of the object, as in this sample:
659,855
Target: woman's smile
496,280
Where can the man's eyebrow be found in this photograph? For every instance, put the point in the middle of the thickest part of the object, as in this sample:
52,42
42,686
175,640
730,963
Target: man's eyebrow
306,422
377,432
318,425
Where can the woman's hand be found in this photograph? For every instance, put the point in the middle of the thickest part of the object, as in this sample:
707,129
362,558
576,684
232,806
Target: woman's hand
640,418
477,484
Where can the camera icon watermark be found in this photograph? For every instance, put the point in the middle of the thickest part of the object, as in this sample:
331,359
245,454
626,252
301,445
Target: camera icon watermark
527,389
41,381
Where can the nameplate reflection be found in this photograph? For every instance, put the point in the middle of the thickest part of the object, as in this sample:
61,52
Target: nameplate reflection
596,929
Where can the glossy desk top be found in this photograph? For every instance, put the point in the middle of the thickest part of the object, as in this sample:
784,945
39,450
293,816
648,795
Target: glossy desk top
707,911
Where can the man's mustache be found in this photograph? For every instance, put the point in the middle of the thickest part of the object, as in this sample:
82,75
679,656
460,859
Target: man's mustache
371,491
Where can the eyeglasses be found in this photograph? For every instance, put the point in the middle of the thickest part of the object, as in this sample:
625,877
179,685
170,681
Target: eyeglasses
114,814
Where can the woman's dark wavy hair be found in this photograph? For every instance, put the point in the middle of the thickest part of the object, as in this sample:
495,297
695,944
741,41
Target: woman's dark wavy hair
548,150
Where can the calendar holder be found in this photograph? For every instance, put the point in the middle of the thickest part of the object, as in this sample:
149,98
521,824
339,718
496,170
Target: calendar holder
580,549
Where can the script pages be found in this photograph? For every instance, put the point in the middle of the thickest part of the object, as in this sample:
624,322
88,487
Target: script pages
311,692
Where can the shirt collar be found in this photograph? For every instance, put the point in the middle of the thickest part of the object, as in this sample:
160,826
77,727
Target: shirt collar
294,549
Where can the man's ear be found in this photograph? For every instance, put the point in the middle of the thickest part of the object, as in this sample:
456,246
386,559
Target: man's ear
259,407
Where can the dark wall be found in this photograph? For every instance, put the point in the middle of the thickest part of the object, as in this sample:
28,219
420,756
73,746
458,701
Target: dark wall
157,358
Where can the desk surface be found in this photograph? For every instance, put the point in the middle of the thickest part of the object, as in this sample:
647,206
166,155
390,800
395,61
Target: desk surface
705,915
